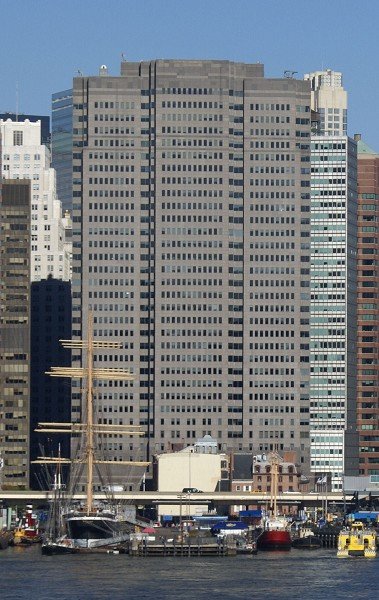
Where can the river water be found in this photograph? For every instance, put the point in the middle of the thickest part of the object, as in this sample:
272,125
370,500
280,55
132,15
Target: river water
314,575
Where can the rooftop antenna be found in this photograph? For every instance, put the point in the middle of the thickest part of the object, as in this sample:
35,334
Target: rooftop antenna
80,73
123,58
17,101
290,74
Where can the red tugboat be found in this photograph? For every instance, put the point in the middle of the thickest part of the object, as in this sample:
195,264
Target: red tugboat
27,530
276,535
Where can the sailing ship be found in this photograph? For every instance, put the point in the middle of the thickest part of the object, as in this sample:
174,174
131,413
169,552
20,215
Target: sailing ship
276,535
94,525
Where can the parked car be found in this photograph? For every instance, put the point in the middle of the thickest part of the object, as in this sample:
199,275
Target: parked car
191,491
113,488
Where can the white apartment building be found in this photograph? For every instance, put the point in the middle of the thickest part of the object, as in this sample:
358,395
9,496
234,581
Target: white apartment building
329,99
24,157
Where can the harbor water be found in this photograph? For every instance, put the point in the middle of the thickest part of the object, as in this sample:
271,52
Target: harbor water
314,575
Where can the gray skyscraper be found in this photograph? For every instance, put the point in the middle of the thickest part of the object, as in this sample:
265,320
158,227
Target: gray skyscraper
191,245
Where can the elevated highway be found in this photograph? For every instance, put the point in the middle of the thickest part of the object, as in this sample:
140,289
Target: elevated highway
148,498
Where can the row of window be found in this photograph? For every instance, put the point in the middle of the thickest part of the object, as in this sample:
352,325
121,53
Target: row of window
25,157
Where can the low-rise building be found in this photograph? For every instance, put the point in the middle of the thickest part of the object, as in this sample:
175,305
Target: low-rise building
251,473
199,467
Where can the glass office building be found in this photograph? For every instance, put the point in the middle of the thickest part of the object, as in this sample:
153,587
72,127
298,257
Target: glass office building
61,145
333,320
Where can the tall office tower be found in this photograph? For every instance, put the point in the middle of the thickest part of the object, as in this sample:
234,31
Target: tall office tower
24,157
368,316
191,246
61,145
14,332
43,119
329,99
333,314
50,397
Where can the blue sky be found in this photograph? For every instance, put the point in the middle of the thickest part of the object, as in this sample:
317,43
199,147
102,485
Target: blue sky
45,42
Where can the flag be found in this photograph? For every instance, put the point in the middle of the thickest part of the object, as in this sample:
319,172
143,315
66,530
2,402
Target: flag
321,480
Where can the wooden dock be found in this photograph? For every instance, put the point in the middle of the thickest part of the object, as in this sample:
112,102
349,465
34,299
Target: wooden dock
177,547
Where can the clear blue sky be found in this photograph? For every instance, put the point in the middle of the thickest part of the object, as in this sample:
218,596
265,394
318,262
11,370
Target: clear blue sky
44,43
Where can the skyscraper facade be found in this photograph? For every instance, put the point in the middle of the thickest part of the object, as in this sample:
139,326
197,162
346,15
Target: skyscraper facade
24,157
368,316
61,145
334,449
329,99
14,332
191,202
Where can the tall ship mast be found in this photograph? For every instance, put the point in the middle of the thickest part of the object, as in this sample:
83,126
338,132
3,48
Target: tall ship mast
276,535
92,525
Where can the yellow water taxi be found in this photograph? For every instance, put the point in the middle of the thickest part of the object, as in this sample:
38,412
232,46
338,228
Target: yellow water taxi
358,540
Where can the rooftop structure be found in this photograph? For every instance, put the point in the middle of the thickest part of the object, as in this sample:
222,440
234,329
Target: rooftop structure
329,99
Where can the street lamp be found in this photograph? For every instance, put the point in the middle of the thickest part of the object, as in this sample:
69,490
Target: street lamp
189,467
181,496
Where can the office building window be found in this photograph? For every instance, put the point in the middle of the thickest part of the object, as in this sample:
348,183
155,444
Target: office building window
18,137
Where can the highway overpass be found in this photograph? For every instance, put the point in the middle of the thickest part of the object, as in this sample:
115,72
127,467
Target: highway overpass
150,498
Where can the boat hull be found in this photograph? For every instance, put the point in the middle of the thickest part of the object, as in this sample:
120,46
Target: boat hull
71,547
87,530
50,549
311,542
88,533
25,537
366,553
274,540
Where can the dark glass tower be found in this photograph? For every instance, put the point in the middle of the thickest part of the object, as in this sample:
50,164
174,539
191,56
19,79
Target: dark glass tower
61,145
50,397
